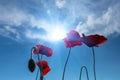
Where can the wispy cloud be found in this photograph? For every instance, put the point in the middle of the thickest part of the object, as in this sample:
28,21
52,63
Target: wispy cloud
32,35
60,3
12,19
12,16
7,31
106,24
41,15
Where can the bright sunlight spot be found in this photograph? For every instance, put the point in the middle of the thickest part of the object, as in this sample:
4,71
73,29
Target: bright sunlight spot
57,34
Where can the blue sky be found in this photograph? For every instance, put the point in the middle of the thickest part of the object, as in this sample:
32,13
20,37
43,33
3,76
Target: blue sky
24,23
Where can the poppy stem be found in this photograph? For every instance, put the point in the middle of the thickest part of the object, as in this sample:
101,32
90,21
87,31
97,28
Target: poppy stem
84,67
37,74
32,52
41,74
39,59
38,69
66,64
41,77
94,63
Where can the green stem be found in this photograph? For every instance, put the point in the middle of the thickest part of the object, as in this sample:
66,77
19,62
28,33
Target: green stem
66,64
84,67
41,75
32,52
37,74
39,59
94,63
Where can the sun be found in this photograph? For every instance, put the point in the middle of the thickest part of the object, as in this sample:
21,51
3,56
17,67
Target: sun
57,34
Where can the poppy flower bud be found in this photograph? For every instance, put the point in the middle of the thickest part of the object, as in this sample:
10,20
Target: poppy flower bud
31,65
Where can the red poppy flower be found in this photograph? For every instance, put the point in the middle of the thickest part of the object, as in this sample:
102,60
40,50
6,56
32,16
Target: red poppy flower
44,50
93,40
72,39
44,66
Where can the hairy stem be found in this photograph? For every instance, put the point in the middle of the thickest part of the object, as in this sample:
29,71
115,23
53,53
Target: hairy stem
41,75
84,67
31,56
66,64
41,68
94,63
37,74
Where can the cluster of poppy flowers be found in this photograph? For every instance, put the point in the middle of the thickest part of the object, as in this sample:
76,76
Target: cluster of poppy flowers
42,64
73,39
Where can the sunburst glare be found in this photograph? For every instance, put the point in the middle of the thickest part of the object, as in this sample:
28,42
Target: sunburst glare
57,34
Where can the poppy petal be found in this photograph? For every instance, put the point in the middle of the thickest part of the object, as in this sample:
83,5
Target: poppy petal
44,50
93,40
44,65
46,70
72,39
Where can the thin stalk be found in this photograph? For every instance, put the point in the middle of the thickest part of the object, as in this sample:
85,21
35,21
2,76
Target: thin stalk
66,64
37,74
38,59
41,75
31,56
94,63
84,67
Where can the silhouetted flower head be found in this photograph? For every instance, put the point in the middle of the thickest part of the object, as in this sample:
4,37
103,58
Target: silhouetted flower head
93,40
72,39
31,65
43,65
44,50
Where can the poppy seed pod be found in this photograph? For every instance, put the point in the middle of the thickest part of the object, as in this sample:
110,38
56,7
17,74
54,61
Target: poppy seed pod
31,65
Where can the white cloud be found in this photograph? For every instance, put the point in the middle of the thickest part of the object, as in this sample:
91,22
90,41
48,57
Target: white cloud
31,35
60,3
106,24
78,8
39,23
15,19
12,19
12,16
54,33
8,30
